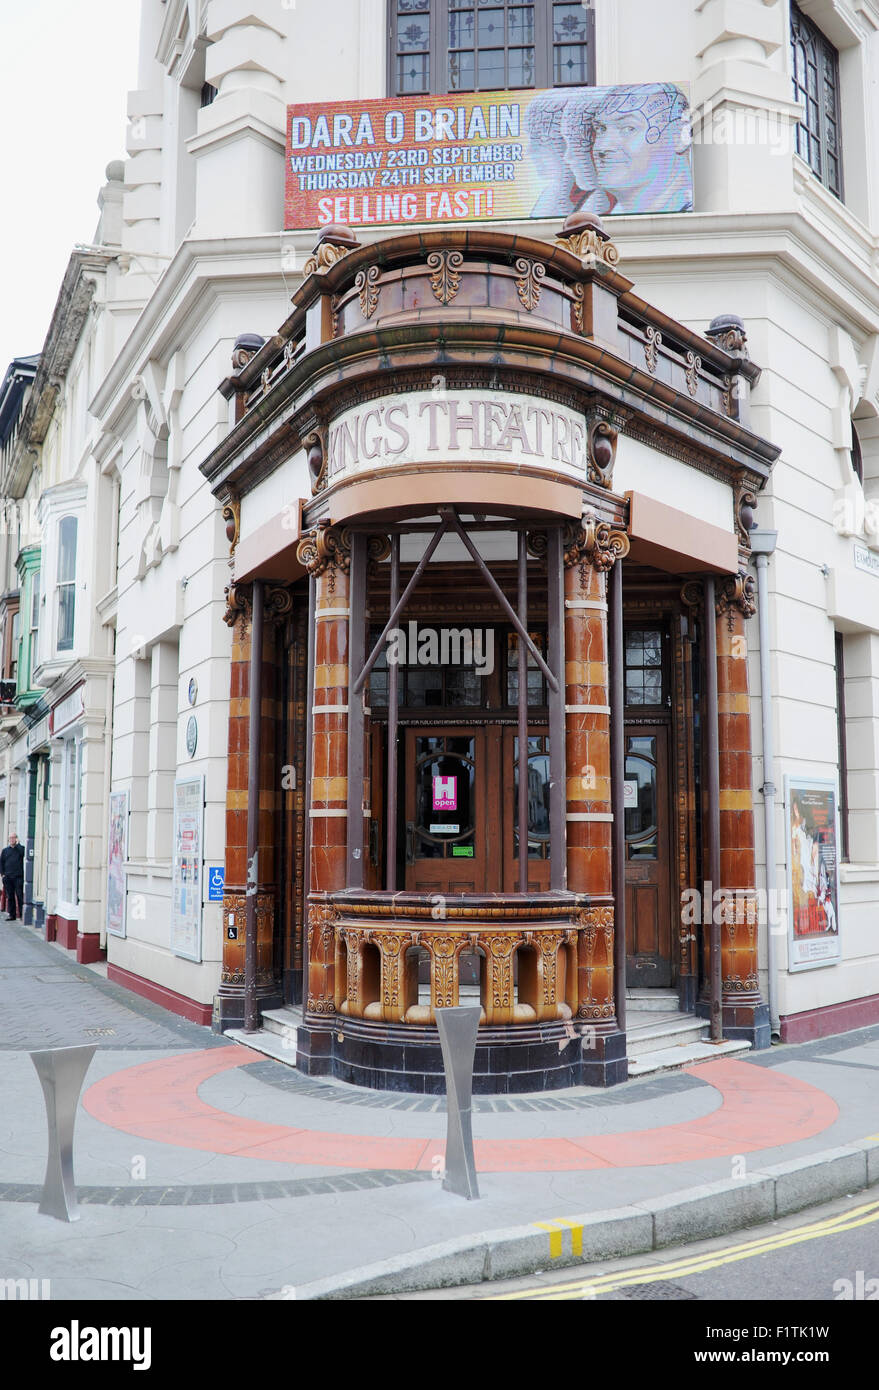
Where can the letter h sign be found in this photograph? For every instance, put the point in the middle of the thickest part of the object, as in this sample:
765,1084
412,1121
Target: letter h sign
445,793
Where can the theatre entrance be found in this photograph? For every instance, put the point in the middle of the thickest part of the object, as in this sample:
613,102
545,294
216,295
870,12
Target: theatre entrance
650,957
461,792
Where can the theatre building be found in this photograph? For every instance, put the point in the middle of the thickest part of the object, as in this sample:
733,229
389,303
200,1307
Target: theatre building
489,519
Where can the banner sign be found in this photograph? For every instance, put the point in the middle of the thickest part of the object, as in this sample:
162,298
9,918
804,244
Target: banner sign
117,853
186,880
813,879
489,156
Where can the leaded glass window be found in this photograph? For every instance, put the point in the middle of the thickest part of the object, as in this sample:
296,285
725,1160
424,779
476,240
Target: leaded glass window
815,72
489,45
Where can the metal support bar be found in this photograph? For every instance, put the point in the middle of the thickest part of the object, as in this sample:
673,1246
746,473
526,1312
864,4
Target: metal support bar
617,784
555,614
401,604
499,594
766,540
712,757
523,718
356,653
393,715
251,1022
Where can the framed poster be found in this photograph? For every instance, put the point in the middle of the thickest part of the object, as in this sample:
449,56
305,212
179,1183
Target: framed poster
186,875
117,853
813,872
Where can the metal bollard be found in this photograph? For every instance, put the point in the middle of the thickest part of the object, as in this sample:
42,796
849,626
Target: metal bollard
61,1071
457,1030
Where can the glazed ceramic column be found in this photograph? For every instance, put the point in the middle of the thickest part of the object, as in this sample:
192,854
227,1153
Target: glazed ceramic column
325,554
230,998
744,1013
590,551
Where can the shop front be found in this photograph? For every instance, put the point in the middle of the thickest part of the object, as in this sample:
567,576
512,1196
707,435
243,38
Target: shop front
489,726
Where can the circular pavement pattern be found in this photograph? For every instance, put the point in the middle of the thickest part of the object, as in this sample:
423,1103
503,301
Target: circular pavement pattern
759,1109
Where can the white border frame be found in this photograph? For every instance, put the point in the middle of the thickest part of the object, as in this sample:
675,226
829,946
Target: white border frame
793,783
199,783
124,797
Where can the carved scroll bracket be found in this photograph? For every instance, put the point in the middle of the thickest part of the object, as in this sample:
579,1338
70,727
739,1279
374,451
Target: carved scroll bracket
595,541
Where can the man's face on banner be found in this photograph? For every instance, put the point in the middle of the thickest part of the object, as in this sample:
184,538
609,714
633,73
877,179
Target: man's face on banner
622,156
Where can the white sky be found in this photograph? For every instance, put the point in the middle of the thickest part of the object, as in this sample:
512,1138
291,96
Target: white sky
66,67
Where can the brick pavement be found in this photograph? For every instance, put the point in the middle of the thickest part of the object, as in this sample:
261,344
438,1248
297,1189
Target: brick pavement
48,1000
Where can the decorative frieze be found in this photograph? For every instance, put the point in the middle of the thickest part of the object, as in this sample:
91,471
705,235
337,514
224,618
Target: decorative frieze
445,277
366,284
652,344
528,282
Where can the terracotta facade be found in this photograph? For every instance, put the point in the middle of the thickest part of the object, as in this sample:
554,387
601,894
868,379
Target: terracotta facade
372,963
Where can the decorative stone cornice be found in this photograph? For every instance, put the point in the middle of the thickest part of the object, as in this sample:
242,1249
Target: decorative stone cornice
595,541
326,545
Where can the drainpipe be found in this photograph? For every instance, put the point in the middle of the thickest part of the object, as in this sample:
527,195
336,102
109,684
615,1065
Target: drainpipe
762,546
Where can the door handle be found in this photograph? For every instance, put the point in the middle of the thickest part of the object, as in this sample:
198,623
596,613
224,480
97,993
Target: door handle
410,842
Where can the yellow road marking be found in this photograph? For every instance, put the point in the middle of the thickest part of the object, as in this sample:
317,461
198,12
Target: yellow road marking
693,1264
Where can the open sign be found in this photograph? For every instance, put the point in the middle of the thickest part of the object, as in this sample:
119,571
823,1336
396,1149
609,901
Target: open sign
445,793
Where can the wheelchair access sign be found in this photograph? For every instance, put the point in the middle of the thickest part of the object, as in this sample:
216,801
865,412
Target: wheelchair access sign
216,885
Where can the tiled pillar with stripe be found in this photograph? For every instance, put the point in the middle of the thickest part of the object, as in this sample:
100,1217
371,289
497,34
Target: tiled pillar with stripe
590,551
326,555
230,999
743,1007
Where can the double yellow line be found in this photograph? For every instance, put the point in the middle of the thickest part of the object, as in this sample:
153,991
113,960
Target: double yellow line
692,1264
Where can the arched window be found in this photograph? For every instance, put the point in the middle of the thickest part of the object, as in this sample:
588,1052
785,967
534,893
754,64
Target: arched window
857,456
66,581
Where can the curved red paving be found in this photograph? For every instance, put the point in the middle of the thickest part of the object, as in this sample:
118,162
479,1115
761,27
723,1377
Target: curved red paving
759,1109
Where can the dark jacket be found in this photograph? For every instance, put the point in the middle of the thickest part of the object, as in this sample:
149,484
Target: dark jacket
12,861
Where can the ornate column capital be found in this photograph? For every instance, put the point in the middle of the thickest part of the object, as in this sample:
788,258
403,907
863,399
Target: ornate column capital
278,602
334,242
736,591
323,547
239,599
595,541
584,235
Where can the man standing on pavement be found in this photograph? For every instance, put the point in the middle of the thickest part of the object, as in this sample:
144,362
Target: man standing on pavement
12,872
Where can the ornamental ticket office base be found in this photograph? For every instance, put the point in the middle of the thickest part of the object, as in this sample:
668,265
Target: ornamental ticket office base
489,520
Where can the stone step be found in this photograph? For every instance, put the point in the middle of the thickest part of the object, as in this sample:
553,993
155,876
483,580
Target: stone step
287,1018
281,1047
645,1034
683,1055
663,1001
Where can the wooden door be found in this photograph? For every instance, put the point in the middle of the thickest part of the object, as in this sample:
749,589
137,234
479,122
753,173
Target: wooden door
538,810
451,845
648,857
